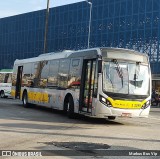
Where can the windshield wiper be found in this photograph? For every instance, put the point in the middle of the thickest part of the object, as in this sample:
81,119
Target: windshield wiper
136,74
119,70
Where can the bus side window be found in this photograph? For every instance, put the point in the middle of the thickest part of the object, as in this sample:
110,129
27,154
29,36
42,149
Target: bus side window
2,77
34,79
14,75
6,77
26,77
40,73
53,74
9,78
63,73
75,75
44,75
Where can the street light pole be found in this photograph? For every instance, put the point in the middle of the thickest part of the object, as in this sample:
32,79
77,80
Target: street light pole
46,28
90,17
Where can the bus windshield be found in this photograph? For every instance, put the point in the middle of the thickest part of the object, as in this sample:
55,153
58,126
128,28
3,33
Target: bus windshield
125,78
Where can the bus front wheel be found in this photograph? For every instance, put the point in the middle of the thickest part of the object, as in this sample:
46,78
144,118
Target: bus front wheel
25,100
2,94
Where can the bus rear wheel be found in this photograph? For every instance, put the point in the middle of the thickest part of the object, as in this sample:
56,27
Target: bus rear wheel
70,107
2,94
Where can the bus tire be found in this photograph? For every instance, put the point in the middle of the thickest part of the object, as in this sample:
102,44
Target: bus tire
25,100
70,107
2,94
111,117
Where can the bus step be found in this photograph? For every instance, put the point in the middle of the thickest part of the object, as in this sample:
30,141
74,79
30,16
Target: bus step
85,113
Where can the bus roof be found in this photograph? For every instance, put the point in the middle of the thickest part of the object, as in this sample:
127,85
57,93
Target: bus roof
6,71
72,53
57,55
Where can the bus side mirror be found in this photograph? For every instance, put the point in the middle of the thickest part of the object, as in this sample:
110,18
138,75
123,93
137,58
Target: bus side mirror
99,66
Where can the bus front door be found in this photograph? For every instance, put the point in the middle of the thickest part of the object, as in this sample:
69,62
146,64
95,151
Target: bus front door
19,82
87,87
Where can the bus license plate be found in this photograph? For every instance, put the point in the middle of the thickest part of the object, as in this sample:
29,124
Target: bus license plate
126,115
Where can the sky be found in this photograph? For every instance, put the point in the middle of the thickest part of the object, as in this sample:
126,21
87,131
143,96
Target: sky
15,7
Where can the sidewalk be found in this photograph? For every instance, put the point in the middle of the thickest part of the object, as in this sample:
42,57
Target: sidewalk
155,111
155,106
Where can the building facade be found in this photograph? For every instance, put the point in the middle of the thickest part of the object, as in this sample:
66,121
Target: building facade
132,24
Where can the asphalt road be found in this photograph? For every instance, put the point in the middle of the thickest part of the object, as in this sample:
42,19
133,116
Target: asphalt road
39,128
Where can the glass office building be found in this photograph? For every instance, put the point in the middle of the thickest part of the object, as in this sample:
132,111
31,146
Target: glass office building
132,24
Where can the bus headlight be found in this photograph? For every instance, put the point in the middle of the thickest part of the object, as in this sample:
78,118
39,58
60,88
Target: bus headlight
146,105
105,101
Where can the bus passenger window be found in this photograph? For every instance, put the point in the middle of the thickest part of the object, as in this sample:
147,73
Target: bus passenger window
53,74
2,77
63,73
26,78
74,74
41,74
75,62
44,75
14,75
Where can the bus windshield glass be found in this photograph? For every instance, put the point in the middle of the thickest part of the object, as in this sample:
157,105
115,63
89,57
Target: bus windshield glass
125,78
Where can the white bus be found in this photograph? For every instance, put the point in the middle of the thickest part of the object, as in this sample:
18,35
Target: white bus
98,82
5,82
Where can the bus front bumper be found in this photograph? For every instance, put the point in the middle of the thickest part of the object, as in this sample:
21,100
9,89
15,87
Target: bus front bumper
104,111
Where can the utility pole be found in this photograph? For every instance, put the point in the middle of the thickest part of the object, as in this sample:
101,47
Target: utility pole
46,28
90,17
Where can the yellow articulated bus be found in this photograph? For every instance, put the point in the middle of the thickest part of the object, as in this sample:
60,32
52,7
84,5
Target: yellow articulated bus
98,82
